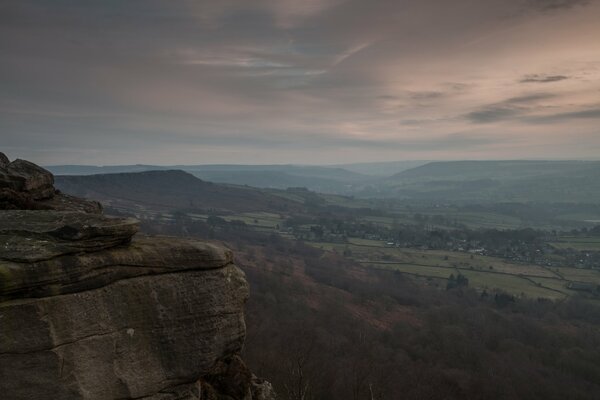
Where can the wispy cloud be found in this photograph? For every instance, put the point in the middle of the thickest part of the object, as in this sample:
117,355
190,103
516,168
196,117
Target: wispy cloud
509,109
535,78
295,80
554,5
234,62
565,116
349,53
492,114
426,95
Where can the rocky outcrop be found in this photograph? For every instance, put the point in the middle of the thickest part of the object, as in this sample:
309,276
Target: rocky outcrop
4,161
42,235
26,186
90,311
25,177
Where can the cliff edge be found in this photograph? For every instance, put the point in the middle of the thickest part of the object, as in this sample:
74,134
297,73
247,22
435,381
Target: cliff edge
88,310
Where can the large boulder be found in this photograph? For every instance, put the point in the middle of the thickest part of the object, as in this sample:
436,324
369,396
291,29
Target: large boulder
24,176
26,186
88,311
4,161
65,202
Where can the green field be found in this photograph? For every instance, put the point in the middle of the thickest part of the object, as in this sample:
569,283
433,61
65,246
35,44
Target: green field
380,221
579,274
513,284
483,272
366,242
555,284
591,243
483,219
418,270
470,219
260,221
343,201
257,219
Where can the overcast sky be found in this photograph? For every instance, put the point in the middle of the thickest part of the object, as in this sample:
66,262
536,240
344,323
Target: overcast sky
298,81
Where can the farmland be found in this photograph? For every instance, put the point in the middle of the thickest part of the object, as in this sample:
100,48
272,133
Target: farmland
590,243
493,245
483,272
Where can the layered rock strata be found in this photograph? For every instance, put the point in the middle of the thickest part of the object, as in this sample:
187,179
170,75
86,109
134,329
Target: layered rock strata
88,311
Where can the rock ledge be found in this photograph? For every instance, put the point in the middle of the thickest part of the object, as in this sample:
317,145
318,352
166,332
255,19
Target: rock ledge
89,311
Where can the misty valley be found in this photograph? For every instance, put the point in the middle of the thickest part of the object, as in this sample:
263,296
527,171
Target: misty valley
356,295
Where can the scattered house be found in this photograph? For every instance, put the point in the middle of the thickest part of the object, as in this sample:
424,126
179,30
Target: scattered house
477,251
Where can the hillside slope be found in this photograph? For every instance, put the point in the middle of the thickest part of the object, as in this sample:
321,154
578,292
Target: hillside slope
513,169
168,190
322,179
522,181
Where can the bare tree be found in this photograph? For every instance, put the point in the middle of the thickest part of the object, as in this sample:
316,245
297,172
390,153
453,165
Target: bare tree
299,383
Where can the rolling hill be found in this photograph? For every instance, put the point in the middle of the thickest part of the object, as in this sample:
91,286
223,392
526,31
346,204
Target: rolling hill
381,169
500,181
321,179
448,181
169,190
500,170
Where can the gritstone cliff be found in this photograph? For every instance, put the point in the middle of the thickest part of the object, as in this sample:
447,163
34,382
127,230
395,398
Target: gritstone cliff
90,311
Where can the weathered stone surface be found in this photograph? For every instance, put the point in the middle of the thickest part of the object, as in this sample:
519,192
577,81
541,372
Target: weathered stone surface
88,313
79,272
14,200
24,176
65,202
42,235
26,186
132,338
229,378
22,184
4,161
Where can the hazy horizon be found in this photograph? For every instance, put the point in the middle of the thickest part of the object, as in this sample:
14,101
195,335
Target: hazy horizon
341,165
287,82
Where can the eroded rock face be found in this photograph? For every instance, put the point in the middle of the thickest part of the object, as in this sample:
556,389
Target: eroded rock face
78,272
131,338
26,186
4,161
24,176
87,311
64,202
43,235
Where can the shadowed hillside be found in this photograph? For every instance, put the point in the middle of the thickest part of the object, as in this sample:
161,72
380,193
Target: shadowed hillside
167,190
322,179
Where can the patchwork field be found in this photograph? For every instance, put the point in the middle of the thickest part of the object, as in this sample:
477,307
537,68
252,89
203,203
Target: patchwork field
483,272
579,275
591,243
260,221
